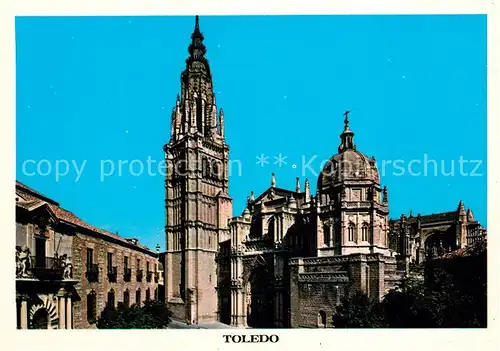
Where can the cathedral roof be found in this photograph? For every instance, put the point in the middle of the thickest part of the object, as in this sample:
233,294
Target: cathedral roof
275,193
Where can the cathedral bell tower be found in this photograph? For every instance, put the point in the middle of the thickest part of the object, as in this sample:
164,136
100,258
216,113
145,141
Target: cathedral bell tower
197,204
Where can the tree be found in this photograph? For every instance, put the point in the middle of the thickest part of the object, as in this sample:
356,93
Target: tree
452,294
152,315
358,311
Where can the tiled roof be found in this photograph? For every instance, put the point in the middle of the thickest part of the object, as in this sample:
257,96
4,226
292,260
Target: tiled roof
29,191
69,217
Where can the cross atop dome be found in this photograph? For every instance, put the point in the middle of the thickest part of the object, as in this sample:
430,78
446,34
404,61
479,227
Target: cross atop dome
347,135
346,120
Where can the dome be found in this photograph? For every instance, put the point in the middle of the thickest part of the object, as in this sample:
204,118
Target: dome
348,164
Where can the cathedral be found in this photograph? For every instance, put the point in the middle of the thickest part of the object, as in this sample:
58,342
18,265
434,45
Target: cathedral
291,256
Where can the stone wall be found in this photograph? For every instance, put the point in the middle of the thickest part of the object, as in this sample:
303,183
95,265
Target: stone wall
101,248
317,285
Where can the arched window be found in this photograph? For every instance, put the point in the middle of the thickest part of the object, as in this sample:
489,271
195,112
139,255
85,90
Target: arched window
364,232
322,319
350,232
111,298
91,307
138,297
215,169
126,298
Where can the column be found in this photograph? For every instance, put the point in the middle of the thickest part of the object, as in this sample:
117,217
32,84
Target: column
24,314
61,312
69,312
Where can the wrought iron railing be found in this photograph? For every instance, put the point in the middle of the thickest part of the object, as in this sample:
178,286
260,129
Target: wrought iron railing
92,272
127,274
112,274
42,267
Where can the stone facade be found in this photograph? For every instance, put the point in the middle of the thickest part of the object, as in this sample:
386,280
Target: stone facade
291,256
62,263
197,204
139,288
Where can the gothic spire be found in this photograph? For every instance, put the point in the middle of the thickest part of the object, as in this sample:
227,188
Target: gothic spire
196,49
347,142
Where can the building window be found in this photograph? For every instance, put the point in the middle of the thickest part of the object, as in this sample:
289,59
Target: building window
91,307
90,257
156,294
110,261
138,297
92,272
364,232
322,319
111,298
148,294
326,235
350,232
138,271
127,272
126,298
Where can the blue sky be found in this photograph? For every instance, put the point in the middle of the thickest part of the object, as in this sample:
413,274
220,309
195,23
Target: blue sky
102,88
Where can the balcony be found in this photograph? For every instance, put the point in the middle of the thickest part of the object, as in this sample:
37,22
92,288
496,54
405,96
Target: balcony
127,274
92,273
149,276
46,268
42,267
112,274
139,275
157,277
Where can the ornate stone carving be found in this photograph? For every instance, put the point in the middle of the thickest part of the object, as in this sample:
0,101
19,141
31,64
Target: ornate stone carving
322,260
23,262
324,277
66,266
